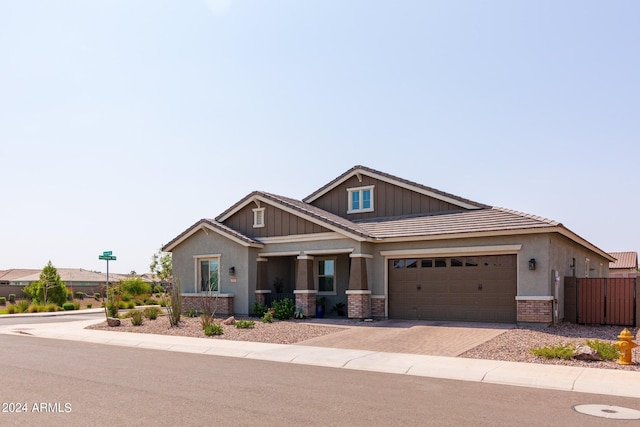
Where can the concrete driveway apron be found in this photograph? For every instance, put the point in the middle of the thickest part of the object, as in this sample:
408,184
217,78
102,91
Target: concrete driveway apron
405,336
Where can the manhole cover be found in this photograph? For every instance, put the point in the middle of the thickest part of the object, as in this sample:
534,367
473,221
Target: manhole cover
608,411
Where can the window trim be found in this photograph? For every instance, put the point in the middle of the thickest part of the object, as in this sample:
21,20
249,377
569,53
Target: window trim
360,191
258,217
198,274
317,275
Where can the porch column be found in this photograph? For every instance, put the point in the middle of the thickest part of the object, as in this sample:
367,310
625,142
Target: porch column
358,294
305,290
262,285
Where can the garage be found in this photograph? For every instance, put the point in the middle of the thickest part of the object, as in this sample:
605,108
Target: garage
467,288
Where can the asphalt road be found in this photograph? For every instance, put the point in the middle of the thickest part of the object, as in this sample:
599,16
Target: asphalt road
55,382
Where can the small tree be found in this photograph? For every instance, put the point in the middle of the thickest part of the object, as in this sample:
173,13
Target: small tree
50,287
135,286
162,265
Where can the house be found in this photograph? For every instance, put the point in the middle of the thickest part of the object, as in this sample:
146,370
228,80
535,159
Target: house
625,265
79,280
387,248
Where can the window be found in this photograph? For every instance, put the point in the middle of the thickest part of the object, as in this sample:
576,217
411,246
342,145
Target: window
360,199
258,217
326,276
209,275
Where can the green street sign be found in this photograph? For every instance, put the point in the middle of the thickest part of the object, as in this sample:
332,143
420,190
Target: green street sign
107,257
107,253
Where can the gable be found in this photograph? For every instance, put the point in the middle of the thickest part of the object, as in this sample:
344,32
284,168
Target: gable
277,222
390,199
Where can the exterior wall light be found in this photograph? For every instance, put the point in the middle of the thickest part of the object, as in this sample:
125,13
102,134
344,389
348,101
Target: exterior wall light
532,264
232,271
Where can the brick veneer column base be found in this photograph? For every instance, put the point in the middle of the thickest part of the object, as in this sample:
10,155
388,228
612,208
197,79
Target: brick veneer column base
223,305
359,304
377,306
261,297
535,311
306,301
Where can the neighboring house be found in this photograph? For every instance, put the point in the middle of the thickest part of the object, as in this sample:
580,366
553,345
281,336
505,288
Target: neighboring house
78,279
387,248
625,265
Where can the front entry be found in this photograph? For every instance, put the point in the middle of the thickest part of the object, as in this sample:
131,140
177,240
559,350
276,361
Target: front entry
471,289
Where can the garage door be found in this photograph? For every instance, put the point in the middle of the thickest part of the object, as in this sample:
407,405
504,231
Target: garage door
478,289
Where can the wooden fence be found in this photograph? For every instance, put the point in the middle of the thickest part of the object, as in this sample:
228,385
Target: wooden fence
599,301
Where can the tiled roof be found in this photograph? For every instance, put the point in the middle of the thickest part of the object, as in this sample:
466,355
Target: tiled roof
391,178
15,273
67,275
482,220
626,260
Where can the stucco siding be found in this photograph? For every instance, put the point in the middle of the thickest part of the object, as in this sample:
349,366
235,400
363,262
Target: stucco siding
231,255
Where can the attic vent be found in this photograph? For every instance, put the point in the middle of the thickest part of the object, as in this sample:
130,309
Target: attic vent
258,217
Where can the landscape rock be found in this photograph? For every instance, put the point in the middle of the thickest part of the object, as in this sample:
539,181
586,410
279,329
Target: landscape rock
112,321
584,352
230,321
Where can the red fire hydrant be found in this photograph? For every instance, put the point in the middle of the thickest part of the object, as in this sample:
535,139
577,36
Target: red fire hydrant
625,345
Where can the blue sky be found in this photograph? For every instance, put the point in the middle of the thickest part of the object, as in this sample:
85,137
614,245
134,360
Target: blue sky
124,122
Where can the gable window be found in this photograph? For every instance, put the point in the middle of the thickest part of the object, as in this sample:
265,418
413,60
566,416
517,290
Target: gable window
258,217
360,199
209,275
327,276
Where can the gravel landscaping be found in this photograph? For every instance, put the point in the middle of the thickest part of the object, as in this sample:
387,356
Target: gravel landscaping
513,345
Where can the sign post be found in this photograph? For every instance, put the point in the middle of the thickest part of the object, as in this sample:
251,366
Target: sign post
108,256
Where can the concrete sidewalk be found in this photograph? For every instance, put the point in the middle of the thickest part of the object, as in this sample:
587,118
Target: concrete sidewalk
585,380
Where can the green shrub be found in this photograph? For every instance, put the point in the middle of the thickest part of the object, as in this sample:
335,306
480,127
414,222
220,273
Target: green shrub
80,295
151,301
283,309
12,298
126,297
151,313
138,302
136,317
559,351
122,305
112,309
33,308
158,290
245,324
163,302
89,305
191,313
22,305
267,318
136,286
259,309
12,309
607,351
3,301
50,307
213,329
131,304
68,306
97,296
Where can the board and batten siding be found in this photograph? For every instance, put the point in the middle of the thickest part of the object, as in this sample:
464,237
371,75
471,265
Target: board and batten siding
389,200
277,223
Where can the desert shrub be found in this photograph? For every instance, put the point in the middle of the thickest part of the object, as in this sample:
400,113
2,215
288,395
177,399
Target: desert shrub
12,309
136,286
151,313
559,351
97,296
245,324
89,305
125,297
68,306
213,329
163,302
150,301
136,317
50,307
34,308
267,318
80,295
138,302
122,305
131,304
192,312
157,289
607,351
174,304
12,298
3,301
283,309
259,309
112,309
22,305
76,305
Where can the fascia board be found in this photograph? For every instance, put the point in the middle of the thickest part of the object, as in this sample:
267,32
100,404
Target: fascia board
463,250
204,225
